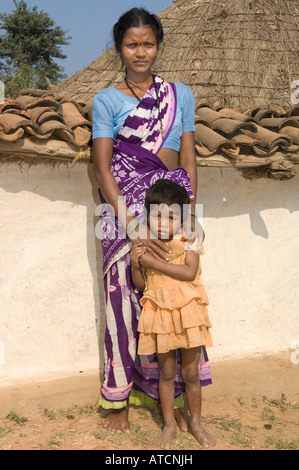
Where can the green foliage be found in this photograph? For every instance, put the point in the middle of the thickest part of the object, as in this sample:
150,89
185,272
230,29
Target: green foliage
23,77
29,44
17,419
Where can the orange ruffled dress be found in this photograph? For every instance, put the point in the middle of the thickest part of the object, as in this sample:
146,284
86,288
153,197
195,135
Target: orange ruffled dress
174,313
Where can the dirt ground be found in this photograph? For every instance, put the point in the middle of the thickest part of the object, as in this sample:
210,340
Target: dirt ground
252,405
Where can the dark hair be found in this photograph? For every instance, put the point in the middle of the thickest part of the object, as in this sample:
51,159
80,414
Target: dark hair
133,19
168,192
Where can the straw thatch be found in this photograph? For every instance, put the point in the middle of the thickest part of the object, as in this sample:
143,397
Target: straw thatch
235,53
238,56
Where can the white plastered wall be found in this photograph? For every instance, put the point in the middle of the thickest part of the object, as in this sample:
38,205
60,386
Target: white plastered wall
51,311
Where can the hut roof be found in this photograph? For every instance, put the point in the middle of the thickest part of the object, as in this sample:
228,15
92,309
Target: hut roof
42,128
239,57
235,53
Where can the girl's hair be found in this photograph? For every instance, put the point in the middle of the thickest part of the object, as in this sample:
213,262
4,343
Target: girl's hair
166,192
134,18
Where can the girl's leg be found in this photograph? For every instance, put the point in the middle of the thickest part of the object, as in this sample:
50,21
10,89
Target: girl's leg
190,361
167,373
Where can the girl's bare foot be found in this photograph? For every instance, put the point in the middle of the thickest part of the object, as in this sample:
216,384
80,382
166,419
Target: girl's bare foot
200,434
118,420
164,441
182,419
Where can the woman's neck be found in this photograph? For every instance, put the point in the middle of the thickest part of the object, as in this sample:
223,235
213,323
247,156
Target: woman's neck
141,80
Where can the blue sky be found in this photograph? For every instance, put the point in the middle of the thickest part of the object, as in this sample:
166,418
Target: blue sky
89,23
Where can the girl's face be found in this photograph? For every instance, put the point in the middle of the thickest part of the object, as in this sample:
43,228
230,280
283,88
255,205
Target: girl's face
139,49
164,221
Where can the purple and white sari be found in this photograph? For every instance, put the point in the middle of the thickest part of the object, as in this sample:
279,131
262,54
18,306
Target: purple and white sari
135,166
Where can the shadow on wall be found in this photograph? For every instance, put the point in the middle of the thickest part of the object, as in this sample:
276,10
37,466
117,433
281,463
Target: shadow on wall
223,193
62,185
226,193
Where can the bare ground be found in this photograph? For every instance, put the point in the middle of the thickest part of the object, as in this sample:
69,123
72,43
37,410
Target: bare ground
252,404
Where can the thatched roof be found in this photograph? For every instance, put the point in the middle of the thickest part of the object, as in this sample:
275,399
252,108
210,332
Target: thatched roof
234,53
238,56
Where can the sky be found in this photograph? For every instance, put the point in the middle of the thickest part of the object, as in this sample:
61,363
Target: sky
89,23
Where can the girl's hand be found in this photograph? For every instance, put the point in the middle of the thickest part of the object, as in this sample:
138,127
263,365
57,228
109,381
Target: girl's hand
147,261
135,253
155,247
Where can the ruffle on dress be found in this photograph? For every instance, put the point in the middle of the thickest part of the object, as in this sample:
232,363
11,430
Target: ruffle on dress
174,313
174,317
171,294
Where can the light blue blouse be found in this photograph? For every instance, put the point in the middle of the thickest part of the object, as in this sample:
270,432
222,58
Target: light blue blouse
111,107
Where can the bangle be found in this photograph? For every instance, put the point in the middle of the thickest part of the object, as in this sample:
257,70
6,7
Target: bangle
111,203
191,212
132,226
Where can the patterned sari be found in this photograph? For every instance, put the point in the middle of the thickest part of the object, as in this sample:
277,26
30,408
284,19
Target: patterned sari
135,166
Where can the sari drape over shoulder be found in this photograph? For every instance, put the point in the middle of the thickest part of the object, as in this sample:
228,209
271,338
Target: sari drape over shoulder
135,166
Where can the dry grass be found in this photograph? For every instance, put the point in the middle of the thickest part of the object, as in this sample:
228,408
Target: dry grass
258,423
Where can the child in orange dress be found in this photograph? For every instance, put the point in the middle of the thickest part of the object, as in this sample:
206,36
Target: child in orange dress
174,314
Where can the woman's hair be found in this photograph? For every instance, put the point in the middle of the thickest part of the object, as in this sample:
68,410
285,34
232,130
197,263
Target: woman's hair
134,18
168,192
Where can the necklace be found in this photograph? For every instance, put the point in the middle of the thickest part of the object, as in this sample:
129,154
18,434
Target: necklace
157,101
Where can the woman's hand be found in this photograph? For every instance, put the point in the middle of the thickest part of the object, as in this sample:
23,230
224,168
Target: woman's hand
155,247
192,230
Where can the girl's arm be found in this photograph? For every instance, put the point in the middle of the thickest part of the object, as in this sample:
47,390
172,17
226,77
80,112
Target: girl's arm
137,276
182,272
138,280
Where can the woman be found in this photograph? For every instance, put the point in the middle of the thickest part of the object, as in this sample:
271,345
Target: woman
143,131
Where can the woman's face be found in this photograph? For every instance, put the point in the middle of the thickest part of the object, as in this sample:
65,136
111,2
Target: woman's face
139,49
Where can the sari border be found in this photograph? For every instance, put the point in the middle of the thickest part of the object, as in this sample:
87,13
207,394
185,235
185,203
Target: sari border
172,111
118,255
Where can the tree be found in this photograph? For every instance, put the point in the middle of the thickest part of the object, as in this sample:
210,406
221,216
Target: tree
28,46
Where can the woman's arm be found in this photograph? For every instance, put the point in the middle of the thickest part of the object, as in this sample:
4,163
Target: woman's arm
102,156
182,272
188,161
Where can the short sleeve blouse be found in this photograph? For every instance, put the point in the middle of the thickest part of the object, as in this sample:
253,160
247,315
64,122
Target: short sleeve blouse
111,107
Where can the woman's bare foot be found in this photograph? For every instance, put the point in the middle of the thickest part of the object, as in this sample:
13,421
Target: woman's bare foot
165,439
118,420
182,419
200,434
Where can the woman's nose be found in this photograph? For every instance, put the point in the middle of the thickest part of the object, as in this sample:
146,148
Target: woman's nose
140,51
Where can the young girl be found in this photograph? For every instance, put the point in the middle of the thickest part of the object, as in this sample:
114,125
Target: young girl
174,314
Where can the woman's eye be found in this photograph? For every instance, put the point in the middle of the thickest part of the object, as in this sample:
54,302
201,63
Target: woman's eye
146,44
